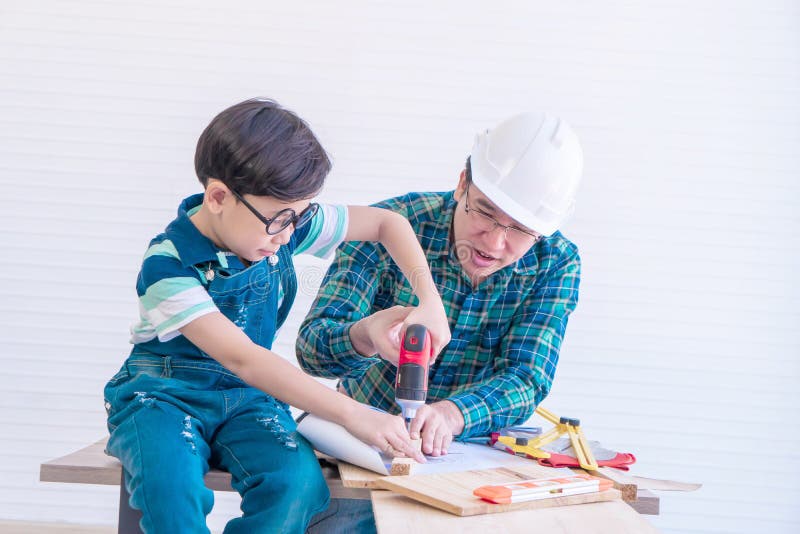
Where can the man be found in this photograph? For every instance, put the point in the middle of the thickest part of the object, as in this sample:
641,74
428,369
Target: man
508,279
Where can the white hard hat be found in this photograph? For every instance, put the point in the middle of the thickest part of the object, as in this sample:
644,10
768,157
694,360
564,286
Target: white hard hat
529,166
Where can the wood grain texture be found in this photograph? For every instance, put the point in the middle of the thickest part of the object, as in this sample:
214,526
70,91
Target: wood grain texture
397,514
402,466
452,492
91,465
357,477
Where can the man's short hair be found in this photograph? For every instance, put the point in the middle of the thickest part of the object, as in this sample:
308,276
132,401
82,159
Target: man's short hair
257,147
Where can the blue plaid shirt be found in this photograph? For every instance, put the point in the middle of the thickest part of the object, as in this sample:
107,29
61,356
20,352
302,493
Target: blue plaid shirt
506,332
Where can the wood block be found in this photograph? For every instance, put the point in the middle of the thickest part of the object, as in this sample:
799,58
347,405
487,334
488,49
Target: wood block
402,466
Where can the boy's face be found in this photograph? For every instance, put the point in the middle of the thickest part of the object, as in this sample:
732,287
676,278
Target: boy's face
237,228
482,247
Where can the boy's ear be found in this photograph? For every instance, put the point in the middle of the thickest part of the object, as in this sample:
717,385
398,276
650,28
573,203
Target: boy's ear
216,195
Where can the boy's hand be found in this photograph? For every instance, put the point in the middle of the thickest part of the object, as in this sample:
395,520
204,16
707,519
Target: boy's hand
433,317
385,431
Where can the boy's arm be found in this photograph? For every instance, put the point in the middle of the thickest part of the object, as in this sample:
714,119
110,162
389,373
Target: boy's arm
394,232
347,296
218,337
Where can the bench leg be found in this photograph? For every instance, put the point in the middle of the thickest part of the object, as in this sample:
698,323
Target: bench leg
128,517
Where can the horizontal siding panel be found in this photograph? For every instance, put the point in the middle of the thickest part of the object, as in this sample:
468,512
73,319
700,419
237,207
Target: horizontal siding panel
683,349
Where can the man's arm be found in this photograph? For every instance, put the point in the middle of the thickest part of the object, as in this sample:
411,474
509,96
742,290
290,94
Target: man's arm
324,345
524,369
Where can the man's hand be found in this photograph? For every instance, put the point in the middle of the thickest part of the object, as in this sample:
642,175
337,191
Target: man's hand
380,332
437,423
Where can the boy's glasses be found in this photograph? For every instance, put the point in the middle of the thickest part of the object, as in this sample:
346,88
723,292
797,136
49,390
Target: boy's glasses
487,223
284,218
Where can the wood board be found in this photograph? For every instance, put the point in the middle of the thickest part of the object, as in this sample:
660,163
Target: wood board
628,489
397,514
358,477
643,501
452,492
91,465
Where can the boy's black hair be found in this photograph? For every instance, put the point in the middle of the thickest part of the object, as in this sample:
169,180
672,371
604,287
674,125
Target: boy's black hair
257,147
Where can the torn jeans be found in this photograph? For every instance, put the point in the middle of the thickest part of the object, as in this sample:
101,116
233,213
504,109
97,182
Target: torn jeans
172,419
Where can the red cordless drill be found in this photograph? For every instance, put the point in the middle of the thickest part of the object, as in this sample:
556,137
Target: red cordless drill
411,386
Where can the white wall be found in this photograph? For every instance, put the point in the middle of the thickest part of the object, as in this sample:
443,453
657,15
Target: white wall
684,347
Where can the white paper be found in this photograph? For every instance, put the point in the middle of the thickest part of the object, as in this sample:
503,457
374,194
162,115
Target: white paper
334,440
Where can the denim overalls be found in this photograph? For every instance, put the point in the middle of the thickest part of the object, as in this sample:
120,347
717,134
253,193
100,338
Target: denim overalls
171,416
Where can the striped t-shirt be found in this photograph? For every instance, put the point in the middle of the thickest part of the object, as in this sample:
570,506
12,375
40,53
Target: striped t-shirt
180,262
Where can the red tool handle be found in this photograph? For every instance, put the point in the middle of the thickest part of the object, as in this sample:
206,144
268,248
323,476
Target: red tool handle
416,352
416,346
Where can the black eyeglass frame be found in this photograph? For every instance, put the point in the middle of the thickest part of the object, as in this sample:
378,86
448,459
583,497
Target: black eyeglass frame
490,218
298,220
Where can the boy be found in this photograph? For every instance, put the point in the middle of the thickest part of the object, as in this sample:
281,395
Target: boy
201,387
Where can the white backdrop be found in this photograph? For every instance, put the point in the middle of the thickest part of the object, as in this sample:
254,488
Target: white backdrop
684,348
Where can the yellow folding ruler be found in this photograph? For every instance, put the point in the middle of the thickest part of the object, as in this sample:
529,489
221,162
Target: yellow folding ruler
563,425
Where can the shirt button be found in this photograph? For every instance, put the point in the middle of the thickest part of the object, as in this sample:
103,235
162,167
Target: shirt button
273,260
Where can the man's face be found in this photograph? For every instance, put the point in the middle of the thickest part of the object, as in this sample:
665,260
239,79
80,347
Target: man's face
482,243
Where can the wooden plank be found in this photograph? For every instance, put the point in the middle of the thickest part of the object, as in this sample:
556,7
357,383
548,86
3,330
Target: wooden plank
643,501
353,476
91,465
452,492
397,514
646,503
30,527
357,477
625,486
624,477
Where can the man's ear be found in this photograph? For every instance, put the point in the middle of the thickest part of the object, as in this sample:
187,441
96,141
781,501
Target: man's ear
461,188
217,194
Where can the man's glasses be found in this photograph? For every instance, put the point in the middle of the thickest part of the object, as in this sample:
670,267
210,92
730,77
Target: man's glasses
487,223
283,218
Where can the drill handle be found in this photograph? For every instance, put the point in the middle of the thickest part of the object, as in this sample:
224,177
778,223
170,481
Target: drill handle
417,346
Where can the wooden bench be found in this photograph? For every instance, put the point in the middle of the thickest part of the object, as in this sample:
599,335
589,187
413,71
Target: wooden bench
91,465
